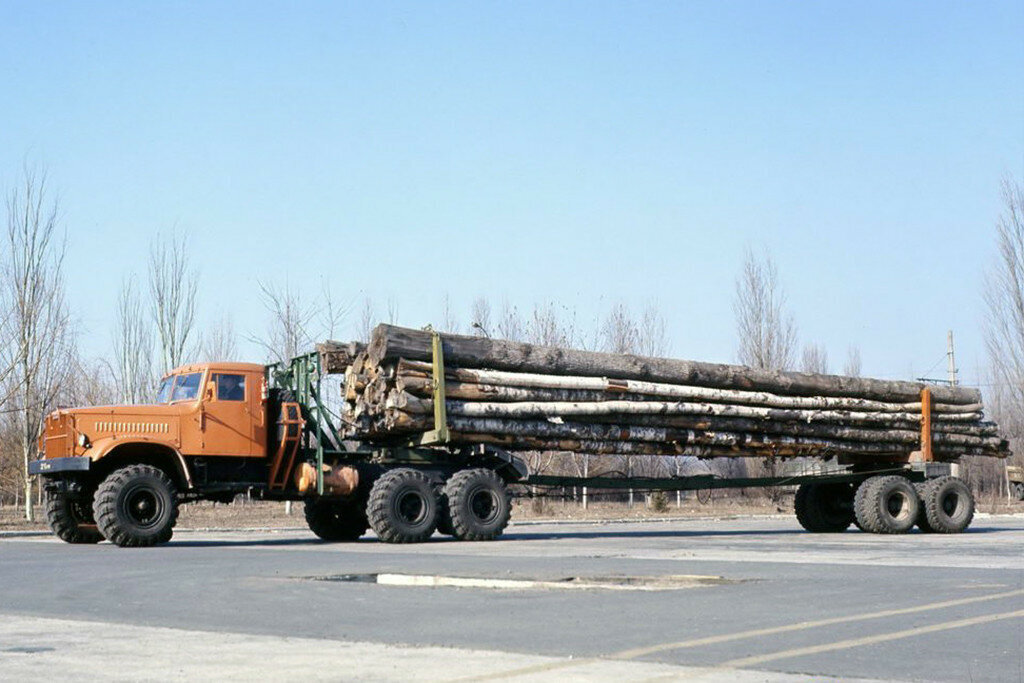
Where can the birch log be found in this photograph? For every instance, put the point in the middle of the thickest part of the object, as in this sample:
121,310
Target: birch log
391,342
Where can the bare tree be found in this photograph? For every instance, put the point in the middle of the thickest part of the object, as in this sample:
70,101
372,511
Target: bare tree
332,312
367,319
619,332
814,359
652,339
852,367
133,347
392,311
546,328
220,342
39,316
449,321
91,383
480,317
288,331
173,284
767,333
1004,320
510,325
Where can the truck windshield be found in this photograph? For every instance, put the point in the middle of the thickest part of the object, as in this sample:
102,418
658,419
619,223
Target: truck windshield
163,395
187,387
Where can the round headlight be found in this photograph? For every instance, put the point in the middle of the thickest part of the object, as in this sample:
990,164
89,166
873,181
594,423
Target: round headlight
83,440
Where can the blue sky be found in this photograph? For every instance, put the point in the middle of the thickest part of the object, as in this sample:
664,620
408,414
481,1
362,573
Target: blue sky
584,153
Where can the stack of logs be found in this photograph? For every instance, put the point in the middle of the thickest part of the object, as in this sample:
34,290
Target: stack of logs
526,397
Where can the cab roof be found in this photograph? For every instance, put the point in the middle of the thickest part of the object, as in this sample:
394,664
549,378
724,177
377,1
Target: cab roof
226,367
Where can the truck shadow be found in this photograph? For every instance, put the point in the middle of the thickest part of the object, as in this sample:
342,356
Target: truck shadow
556,535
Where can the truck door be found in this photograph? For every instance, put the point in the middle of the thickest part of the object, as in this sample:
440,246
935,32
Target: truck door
227,415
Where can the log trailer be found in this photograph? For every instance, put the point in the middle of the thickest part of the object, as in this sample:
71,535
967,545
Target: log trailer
220,429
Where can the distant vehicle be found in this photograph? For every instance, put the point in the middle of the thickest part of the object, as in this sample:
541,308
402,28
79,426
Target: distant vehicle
1015,475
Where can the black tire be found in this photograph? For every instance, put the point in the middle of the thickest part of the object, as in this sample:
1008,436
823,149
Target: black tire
444,520
136,507
1018,490
886,505
922,518
71,518
824,508
948,505
336,520
478,504
403,506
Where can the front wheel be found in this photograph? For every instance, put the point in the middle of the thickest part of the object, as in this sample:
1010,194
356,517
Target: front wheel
136,506
71,518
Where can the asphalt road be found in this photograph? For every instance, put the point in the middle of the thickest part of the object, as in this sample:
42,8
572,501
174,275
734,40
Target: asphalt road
776,603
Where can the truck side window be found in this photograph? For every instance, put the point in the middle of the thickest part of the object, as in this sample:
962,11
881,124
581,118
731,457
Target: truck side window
230,387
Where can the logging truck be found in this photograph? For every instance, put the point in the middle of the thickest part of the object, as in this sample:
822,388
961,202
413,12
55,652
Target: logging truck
217,430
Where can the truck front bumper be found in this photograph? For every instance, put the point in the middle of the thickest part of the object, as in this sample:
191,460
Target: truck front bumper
58,465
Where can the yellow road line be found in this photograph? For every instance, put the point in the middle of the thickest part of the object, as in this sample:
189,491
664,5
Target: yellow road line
741,635
868,640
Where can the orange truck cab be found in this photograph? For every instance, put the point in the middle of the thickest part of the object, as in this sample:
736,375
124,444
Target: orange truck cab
206,436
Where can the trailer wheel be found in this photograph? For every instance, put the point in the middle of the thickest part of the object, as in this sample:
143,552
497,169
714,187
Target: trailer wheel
71,518
824,508
948,505
1018,490
886,505
922,517
444,519
403,507
478,504
136,506
336,520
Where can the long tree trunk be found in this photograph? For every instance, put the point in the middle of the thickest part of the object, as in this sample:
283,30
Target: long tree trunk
494,385
391,342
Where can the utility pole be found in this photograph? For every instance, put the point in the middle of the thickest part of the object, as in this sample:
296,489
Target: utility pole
954,468
951,359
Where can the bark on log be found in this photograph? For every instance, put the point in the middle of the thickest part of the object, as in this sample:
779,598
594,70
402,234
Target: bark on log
851,438
391,342
336,357
512,386
526,443
411,403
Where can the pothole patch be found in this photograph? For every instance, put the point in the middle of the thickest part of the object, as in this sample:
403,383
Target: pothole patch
629,583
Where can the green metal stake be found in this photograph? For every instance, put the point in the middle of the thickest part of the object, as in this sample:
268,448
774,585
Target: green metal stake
319,435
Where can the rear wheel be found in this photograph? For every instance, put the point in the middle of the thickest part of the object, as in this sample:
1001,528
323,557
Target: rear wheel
922,517
336,520
824,508
403,506
886,505
70,518
948,505
1018,490
136,506
478,504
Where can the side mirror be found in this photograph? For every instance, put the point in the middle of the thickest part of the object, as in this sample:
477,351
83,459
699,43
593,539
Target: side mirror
208,394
